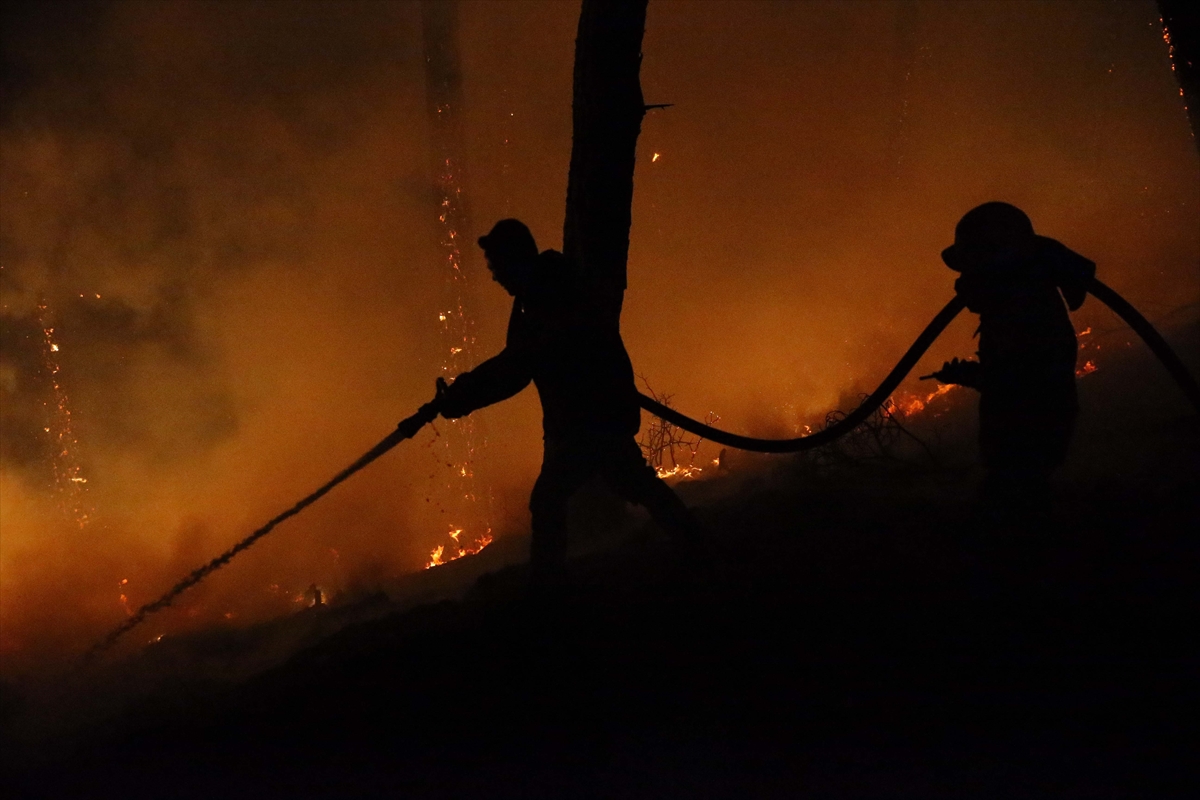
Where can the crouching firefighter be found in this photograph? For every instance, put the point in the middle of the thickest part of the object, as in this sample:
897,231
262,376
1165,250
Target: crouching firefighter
1017,282
562,337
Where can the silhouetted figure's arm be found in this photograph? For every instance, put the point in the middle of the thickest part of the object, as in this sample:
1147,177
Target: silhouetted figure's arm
960,373
496,379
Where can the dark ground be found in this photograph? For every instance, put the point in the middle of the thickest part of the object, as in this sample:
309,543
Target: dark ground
863,640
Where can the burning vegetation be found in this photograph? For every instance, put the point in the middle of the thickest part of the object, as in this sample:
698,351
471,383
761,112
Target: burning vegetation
282,270
440,556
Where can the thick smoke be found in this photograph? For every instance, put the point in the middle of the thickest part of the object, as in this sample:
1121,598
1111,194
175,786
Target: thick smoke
229,213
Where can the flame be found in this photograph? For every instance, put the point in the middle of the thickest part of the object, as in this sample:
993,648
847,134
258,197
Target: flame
681,471
913,405
1089,366
439,556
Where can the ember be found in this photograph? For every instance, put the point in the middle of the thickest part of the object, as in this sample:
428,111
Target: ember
68,473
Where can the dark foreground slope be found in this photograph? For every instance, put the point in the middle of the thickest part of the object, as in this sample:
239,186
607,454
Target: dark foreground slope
851,648
863,637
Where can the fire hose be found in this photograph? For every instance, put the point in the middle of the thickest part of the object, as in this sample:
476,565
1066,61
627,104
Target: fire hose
428,412
1103,293
405,430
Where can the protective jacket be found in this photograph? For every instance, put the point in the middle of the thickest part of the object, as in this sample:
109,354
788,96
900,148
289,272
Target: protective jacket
1027,344
562,337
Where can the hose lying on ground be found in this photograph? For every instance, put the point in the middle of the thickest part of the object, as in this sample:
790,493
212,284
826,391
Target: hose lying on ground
1103,293
428,412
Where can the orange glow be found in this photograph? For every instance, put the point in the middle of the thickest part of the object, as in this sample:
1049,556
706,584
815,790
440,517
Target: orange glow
913,405
680,471
124,598
282,271
438,556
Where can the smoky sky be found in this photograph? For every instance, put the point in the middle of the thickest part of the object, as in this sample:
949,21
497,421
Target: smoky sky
229,211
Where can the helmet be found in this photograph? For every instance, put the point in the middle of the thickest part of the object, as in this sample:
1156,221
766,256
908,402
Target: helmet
509,239
990,228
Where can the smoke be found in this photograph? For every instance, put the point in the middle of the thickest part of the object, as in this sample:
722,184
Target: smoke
229,212
226,211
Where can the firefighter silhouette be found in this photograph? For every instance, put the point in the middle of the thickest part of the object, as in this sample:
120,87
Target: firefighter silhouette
1017,282
564,338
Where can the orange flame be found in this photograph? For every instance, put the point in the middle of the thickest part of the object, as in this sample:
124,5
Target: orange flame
438,556
911,406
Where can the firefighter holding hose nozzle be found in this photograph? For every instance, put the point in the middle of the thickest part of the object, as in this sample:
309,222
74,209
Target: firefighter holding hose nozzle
566,340
1017,282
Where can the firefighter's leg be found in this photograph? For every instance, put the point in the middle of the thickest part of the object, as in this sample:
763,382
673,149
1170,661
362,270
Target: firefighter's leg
1017,538
1021,451
563,472
626,471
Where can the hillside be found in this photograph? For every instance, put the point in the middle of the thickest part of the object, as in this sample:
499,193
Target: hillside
866,633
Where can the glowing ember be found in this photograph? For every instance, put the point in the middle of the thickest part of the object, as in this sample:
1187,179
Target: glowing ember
68,476
1087,369
124,598
1171,55
456,323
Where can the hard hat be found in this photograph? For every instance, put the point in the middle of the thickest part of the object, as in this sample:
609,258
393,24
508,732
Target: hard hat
990,228
509,238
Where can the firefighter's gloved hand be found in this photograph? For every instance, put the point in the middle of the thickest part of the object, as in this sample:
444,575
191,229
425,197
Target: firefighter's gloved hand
962,373
452,400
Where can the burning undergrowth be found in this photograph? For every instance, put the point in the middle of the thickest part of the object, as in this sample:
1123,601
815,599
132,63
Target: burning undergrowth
241,283
865,557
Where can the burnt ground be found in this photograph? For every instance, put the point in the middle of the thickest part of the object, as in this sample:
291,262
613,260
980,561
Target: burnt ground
864,636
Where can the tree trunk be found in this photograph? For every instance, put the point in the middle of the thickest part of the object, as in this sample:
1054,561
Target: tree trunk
607,117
